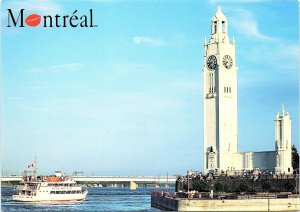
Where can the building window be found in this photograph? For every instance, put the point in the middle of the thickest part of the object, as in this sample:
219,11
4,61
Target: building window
280,132
215,27
223,26
211,83
227,89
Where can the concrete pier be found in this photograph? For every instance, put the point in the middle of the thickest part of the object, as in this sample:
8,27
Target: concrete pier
183,204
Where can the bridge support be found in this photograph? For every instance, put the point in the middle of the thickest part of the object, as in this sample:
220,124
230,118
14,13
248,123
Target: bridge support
133,185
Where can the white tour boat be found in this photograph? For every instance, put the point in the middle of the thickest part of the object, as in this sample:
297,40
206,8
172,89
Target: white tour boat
48,188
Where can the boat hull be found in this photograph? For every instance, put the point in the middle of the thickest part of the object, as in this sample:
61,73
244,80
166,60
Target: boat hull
51,198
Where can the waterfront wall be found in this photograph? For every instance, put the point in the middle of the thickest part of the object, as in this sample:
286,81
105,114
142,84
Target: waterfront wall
286,204
165,203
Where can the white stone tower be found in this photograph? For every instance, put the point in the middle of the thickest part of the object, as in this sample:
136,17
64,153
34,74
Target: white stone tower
220,97
283,143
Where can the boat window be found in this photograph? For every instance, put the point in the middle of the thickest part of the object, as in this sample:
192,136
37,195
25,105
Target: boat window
68,192
57,192
63,192
73,192
52,192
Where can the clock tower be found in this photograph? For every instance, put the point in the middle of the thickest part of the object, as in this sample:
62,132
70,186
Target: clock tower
220,97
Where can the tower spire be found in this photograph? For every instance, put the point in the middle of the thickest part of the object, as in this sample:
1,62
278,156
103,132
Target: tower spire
282,110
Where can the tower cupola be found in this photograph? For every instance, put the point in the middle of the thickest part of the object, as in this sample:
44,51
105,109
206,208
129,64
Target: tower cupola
219,27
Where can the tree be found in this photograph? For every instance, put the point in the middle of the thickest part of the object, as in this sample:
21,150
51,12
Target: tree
267,186
243,186
295,158
200,186
289,186
219,186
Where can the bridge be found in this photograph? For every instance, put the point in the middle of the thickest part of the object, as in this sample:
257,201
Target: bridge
108,180
137,179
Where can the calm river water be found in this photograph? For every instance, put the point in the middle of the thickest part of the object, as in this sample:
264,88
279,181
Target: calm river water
98,199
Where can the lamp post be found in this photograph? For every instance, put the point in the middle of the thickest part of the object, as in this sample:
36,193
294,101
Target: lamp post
297,178
188,185
188,182
167,182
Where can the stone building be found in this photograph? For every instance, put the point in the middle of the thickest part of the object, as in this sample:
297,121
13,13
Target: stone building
220,112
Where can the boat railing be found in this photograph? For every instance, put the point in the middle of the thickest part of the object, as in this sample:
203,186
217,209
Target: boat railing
51,178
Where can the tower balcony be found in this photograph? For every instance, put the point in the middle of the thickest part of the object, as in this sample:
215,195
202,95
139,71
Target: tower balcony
210,95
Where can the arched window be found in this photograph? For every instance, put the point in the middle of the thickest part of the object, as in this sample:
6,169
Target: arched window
215,26
223,27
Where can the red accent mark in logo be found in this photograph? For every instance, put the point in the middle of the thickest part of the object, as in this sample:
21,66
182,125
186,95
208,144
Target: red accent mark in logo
33,20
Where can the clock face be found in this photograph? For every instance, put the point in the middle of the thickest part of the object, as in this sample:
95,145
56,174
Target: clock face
211,62
227,61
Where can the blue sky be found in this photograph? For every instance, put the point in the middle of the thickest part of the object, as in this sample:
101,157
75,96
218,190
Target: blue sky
126,98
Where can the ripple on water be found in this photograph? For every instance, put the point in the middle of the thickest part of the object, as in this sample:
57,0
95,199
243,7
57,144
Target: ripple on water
98,199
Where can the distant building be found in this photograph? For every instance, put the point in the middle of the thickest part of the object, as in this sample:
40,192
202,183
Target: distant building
220,112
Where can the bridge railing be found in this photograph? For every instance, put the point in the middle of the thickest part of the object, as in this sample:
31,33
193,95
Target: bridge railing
107,179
